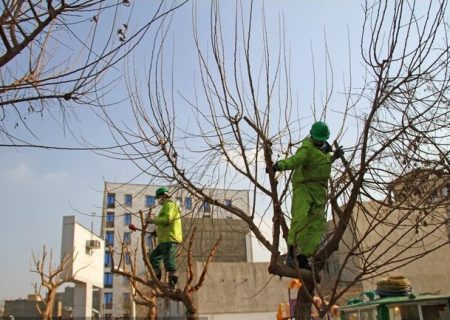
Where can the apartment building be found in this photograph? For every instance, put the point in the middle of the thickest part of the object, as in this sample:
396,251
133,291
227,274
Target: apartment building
121,205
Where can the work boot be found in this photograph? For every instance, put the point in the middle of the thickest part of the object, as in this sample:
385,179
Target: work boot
290,257
172,282
290,261
303,262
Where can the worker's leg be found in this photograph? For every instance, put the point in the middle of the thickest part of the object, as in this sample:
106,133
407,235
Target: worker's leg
313,232
170,262
155,260
301,203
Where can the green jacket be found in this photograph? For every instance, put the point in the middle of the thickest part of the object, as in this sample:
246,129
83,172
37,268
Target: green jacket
310,165
168,223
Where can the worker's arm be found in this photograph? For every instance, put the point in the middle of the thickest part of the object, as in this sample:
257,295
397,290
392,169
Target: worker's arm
295,161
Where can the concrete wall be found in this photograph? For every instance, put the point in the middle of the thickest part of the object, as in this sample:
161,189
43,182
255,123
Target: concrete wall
430,273
23,309
231,291
232,248
246,316
240,288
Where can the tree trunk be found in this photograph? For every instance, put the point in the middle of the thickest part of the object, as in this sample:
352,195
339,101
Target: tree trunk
152,309
48,310
303,303
191,312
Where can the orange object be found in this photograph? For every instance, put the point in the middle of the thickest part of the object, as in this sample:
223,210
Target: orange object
284,311
295,284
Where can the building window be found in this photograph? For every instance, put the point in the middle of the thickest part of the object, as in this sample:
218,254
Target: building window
437,310
446,191
188,203
434,197
110,219
126,297
109,238
206,207
127,238
108,259
108,300
108,280
107,316
448,223
179,200
128,200
127,258
332,266
227,202
149,201
111,200
127,218
405,311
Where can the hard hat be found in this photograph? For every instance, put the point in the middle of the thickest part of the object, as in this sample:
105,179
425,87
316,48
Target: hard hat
319,131
161,191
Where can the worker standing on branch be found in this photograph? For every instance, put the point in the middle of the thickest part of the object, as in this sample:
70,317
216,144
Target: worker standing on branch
169,235
312,168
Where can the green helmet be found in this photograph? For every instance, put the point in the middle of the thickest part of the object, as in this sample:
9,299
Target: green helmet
161,191
319,131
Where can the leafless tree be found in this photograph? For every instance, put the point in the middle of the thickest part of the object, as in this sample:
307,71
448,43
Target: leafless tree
60,54
52,277
146,287
245,116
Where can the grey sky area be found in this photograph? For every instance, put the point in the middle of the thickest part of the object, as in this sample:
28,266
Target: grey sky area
38,186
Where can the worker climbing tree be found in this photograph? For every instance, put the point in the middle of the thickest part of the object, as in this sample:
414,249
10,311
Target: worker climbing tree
169,233
312,168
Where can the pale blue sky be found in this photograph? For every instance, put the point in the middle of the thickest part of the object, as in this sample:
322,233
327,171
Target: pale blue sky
38,187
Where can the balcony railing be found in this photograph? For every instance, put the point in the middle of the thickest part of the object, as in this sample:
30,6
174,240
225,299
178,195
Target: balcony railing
110,224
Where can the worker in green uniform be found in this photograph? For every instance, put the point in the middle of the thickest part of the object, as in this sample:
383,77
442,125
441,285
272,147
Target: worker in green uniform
169,235
312,168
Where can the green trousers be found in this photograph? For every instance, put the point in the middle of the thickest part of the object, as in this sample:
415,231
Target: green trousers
166,252
308,222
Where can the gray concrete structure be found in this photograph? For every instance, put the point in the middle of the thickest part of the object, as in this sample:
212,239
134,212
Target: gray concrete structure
231,291
430,273
27,308
241,291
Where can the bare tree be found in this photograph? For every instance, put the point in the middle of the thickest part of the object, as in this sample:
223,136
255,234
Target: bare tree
52,277
60,54
146,287
245,115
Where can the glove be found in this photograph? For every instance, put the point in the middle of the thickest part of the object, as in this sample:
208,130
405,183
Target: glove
275,168
338,152
326,148
132,227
